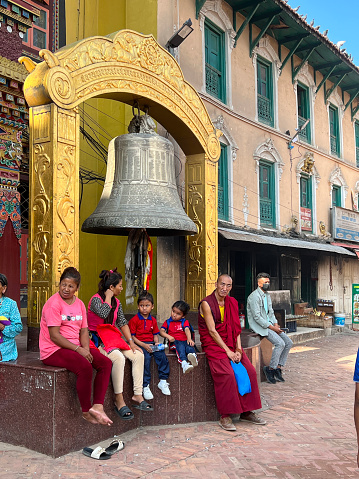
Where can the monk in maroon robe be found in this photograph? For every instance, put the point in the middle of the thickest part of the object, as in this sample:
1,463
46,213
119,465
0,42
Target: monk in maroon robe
221,342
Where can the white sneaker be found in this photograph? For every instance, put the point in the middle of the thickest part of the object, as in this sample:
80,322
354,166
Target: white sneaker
187,368
192,358
147,393
163,385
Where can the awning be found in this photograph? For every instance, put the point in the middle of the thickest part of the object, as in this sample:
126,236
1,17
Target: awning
354,247
237,235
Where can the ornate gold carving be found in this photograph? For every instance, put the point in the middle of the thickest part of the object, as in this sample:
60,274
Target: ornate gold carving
41,125
123,62
12,69
65,209
41,208
195,200
28,63
201,196
66,127
308,164
54,189
211,228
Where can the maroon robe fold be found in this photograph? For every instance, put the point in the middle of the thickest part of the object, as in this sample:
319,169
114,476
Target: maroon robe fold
228,399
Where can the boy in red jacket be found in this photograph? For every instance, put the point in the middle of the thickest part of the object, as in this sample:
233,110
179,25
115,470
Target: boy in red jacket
145,333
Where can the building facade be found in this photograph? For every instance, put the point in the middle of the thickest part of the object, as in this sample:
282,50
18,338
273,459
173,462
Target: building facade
264,72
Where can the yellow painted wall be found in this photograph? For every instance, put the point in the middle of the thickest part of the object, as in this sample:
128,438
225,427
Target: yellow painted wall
108,118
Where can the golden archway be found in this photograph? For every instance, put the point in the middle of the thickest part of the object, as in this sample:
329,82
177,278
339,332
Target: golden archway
123,66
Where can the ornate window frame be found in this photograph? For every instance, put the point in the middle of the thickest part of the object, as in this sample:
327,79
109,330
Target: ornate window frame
313,174
267,151
213,10
228,140
336,101
306,78
336,178
265,50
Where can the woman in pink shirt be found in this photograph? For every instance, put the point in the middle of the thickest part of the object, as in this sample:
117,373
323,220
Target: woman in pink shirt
64,342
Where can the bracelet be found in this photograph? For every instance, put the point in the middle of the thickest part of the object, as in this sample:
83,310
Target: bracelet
130,339
76,348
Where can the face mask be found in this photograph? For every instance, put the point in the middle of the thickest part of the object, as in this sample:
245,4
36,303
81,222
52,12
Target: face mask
266,286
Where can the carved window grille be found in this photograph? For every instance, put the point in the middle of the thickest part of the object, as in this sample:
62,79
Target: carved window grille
334,131
357,143
264,93
303,112
267,194
215,61
223,206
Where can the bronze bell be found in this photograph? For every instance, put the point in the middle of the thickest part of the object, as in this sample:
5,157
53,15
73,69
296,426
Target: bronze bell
140,188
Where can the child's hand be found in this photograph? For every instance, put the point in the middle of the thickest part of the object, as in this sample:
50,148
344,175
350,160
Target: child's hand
190,342
148,348
171,339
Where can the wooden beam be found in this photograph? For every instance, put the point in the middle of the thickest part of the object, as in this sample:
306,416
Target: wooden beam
342,71
271,13
329,92
293,37
325,78
199,5
328,65
290,54
249,3
253,43
310,45
246,21
307,55
354,111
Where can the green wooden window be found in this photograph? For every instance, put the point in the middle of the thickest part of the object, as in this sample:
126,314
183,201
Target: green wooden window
306,196
336,196
357,143
215,61
303,112
264,92
334,131
266,194
223,205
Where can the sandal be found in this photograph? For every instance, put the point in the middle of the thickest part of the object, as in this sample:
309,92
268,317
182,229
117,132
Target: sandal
124,413
97,453
115,446
143,406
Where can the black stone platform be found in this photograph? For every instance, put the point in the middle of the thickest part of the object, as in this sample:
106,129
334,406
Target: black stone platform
39,407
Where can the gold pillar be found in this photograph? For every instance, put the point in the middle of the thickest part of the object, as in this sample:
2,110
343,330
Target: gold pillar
202,208
54,198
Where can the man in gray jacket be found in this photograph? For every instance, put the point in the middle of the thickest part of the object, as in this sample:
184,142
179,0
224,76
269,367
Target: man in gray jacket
262,321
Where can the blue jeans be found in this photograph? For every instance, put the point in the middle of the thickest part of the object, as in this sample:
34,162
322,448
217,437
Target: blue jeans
282,345
182,349
162,364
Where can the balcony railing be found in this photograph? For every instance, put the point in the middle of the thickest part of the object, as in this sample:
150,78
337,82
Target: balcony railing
265,110
266,211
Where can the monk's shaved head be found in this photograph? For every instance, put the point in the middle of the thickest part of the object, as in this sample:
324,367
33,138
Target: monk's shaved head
223,276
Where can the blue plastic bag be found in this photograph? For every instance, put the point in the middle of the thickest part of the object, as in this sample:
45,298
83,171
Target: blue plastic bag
242,378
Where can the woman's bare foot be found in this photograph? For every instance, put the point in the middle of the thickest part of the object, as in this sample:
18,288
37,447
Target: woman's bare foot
99,414
137,398
89,418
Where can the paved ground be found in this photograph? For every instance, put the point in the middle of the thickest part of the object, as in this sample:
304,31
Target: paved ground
309,435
